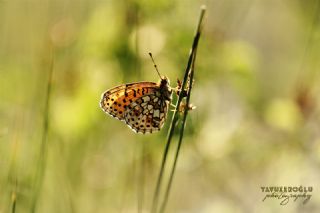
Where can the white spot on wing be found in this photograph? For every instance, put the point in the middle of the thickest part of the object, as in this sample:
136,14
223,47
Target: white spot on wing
133,104
156,113
146,99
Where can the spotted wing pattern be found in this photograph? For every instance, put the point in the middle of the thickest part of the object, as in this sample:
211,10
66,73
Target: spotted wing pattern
147,114
140,105
116,100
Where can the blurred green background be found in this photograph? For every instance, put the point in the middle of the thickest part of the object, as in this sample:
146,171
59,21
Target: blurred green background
257,85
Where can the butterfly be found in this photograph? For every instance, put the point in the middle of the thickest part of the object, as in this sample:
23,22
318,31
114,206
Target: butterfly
143,106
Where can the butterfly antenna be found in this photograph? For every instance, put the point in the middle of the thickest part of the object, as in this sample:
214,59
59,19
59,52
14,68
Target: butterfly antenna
154,64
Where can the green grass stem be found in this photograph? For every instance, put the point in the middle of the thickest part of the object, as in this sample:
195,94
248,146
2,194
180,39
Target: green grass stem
175,114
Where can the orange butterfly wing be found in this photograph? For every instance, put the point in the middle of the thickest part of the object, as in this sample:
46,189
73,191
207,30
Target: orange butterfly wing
140,105
115,101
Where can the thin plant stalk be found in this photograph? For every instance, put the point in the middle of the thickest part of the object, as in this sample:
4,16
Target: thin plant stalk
184,118
14,198
13,174
175,117
44,138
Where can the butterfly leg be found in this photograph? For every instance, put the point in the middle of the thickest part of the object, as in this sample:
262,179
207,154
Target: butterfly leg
178,89
171,104
183,107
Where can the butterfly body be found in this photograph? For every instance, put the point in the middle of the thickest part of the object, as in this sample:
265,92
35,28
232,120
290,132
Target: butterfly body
143,106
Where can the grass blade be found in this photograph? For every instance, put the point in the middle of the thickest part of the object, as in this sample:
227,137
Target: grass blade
44,138
175,117
184,118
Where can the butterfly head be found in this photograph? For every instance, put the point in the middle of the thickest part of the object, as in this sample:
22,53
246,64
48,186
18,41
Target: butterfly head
164,81
165,88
